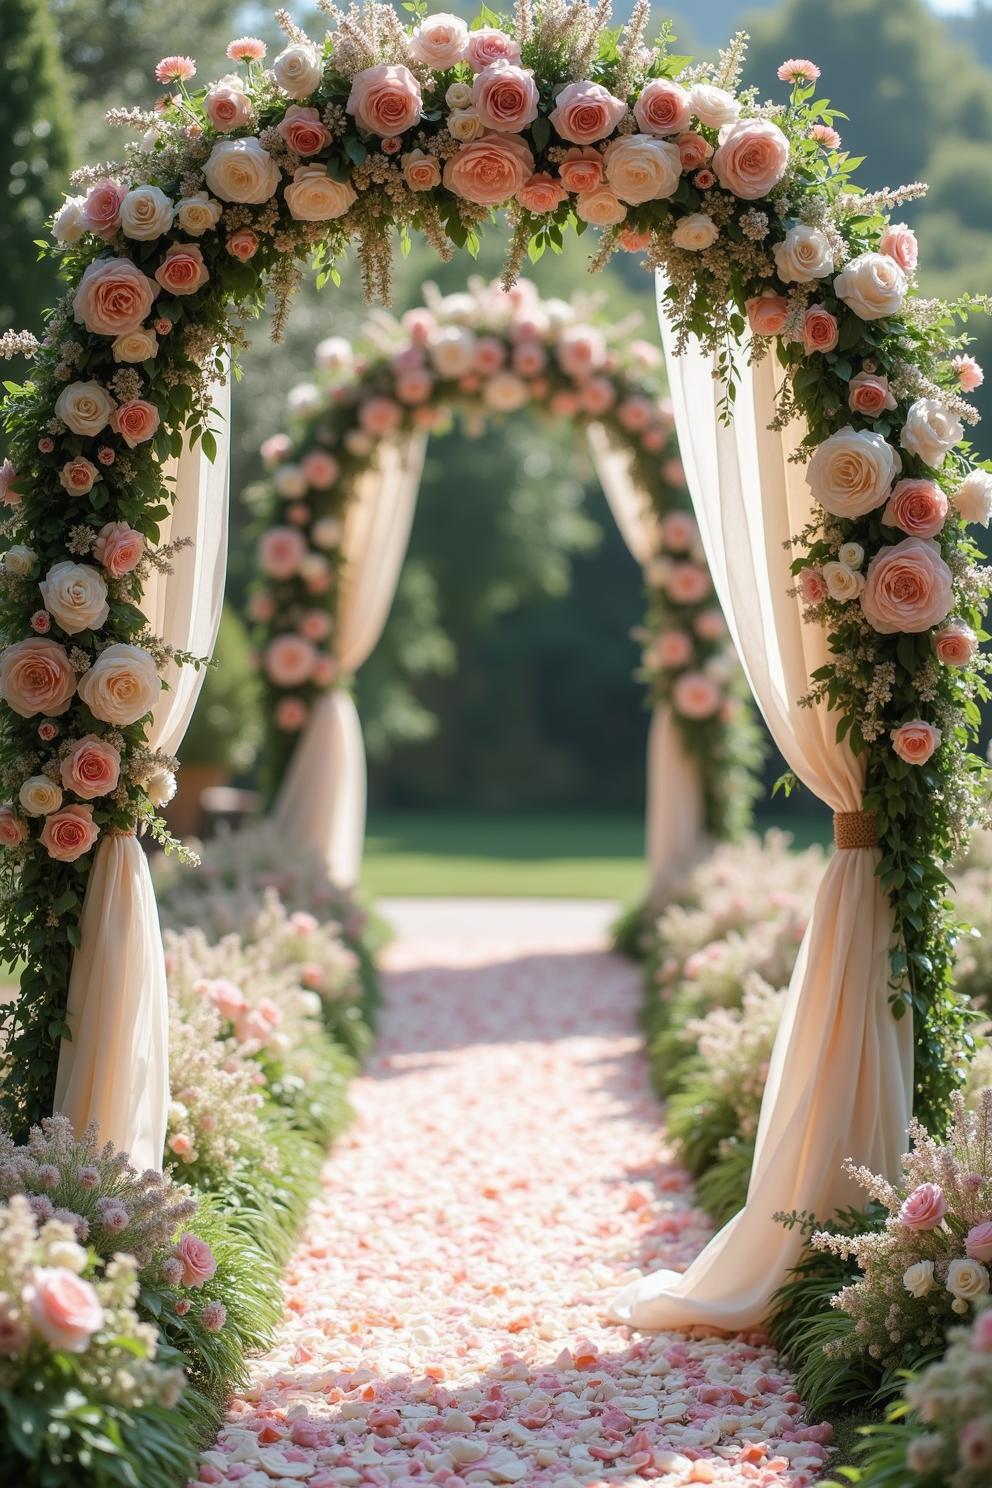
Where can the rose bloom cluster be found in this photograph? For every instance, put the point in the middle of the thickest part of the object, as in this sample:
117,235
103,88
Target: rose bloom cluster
948,1438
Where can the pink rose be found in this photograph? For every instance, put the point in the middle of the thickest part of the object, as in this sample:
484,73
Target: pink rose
227,106
489,170
320,470
635,413
275,448
487,45
704,179
581,169
581,349
869,394
91,768
325,671
663,108
35,677
414,387
289,660
303,130
812,586
694,150
226,997
385,100
678,530
490,355
421,172
672,648
899,242
69,833
586,112
955,644
290,714
917,507
315,625
505,97
542,193
135,421
695,695
113,297
968,372
281,550
119,548
182,271
597,396
529,358
101,212
380,416
243,244
819,330
63,1308
908,588
767,313
197,1259
915,742
752,158
13,831
924,1208
978,1243
78,476
687,583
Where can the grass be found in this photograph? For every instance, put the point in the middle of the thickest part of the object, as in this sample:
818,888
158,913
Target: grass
521,855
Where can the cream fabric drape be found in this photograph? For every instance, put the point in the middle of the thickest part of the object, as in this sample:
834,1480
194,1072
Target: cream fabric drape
115,1068
322,801
676,814
840,1079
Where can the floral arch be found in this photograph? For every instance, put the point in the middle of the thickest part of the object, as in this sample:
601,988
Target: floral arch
339,503
837,430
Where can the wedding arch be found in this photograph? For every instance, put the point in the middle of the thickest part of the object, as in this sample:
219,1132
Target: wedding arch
834,427
336,514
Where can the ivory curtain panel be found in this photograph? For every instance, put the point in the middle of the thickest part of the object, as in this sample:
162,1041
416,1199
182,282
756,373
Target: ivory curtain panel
115,1068
840,1079
322,801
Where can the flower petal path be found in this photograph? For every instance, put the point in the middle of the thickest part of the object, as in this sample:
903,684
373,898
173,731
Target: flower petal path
445,1310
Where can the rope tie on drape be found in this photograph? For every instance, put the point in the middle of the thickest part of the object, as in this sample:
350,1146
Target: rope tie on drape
855,829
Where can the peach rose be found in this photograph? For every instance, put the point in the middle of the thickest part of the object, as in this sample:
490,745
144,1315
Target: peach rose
597,396
239,170
600,207
135,421
9,495
290,714
955,644
289,660
414,386
119,548
101,209
182,271
121,686
197,1260
663,108
113,297
870,395
64,1309
908,589
752,158
767,313
13,831
694,150
926,1206
914,743
91,768
488,45
918,507
35,677
899,242
281,550
678,531
78,476
303,130
490,170
695,696
439,41
315,196
243,244
542,193
529,358
384,100
585,112
969,373
227,106
819,330
505,97
421,171
581,169
75,595
581,349
69,832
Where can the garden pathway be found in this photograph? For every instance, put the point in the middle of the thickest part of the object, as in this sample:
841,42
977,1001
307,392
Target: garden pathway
445,1307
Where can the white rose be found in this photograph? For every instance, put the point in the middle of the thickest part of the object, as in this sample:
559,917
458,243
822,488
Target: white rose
334,354
851,473
160,788
85,407
68,1254
843,583
452,351
458,96
930,431
67,226
967,1280
146,212
327,532
713,106
20,560
640,168
198,214
919,1280
696,232
290,482
852,555
316,197
465,125
135,346
804,254
75,595
974,497
239,170
121,686
298,70
872,285
39,795
505,392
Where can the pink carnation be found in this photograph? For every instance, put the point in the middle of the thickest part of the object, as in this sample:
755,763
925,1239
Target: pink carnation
798,70
246,49
175,70
826,135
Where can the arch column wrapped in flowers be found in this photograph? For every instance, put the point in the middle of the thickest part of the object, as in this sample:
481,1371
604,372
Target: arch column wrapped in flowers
751,211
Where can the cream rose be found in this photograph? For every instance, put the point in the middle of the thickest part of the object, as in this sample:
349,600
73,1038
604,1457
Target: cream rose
421,172
75,595
640,168
35,677
696,232
752,158
85,407
198,214
872,285
135,346
298,69
385,100
315,196
121,686
239,170
930,431
439,41
851,472
464,125
585,112
505,97
601,207
20,560
973,497
490,170
909,588
146,213
113,297
919,1279
38,796
713,106
452,351
968,1280
804,254
843,583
